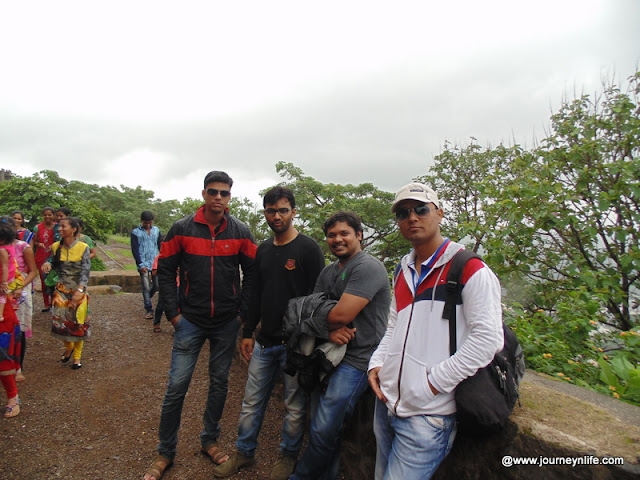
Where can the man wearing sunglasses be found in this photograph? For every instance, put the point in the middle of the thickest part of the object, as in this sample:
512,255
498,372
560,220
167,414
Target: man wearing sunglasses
411,372
287,266
208,249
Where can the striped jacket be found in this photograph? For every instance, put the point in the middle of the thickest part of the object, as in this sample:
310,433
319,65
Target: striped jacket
210,294
415,347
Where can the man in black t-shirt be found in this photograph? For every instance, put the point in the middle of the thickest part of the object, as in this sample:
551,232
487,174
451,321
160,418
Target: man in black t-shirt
287,266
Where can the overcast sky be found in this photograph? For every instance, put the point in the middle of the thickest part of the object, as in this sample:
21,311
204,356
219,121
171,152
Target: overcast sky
159,93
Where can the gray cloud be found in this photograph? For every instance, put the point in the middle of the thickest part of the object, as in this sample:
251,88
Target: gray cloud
382,126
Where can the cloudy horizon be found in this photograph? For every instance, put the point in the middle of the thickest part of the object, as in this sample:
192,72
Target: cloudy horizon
145,93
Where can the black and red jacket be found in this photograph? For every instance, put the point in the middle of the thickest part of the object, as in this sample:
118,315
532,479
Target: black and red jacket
210,294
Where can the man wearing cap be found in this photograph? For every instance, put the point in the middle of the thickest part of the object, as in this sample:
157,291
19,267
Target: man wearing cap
411,372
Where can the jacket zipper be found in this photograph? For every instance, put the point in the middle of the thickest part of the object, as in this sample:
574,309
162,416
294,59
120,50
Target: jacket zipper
213,242
404,347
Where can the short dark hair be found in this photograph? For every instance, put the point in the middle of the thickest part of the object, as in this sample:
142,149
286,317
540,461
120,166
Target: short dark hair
146,216
51,209
217,176
64,210
349,218
7,230
276,193
21,214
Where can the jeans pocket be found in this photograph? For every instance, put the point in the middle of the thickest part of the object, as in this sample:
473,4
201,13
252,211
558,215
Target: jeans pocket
435,421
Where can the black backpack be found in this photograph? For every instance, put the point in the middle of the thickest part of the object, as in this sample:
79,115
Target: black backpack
485,400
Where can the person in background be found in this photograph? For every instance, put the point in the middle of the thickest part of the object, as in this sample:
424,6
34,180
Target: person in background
70,259
157,318
45,234
27,267
412,373
85,238
23,233
62,213
145,246
210,248
9,324
287,266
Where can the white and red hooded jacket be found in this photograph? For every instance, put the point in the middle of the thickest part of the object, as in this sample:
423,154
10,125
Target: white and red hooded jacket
415,347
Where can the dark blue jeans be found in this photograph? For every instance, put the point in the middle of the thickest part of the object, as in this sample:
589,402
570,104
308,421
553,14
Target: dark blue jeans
187,343
329,410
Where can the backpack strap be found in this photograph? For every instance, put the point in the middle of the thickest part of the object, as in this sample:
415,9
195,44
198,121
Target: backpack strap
454,276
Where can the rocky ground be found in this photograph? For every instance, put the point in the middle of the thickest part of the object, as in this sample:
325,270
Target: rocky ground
100,422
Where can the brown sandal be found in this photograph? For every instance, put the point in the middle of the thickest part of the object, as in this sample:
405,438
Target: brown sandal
213,452
159,467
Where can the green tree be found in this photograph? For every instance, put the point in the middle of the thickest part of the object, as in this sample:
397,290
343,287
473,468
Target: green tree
47,188
561,216
559,223
574,203
316,201
189,205
125,204
462,177
251,214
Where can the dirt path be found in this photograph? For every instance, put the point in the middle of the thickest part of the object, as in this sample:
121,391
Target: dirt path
100,422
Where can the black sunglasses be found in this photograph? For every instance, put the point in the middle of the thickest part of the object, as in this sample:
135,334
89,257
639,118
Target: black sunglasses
419,210
272,211
214,192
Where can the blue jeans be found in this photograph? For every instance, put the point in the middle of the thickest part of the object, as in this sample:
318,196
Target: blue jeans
149,285
188,340
329,410
264,367
411,448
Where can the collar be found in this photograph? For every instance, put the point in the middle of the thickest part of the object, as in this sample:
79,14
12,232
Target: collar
199,217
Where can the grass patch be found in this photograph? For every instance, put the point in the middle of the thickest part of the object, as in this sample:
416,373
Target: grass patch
97,265
123,252
119,239
130,267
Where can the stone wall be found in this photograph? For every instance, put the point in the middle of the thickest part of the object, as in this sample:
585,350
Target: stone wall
481,458
127,280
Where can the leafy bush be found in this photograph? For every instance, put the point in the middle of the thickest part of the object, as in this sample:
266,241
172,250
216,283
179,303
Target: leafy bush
97,265
570,344
620,369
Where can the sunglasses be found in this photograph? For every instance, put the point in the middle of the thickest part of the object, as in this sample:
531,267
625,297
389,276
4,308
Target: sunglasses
214,192
420,210
272,211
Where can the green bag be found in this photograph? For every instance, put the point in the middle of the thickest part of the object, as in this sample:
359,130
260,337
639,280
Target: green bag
51,279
